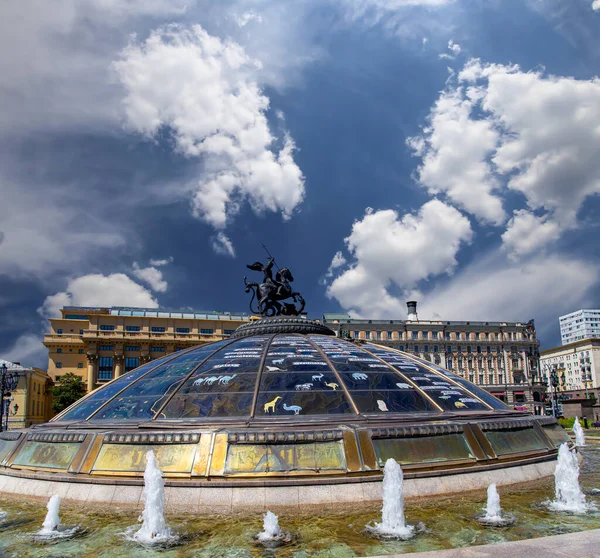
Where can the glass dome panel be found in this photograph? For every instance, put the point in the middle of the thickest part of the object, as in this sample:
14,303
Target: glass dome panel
474,389
223,386
143,399
297,380
100,396
439,387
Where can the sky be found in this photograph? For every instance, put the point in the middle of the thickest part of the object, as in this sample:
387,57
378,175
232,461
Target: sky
446,151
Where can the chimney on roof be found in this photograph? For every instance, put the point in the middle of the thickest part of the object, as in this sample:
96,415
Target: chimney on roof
411,306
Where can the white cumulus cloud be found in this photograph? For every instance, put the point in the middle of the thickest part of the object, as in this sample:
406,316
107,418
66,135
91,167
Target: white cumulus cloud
499,127
337,262
596,5
160,263
454,48
454,148
99,290
204,90
222,245
151,276
527,234
389,249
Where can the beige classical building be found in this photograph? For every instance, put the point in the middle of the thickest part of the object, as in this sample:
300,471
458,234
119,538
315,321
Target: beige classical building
577,366
31,402
501,357
99,344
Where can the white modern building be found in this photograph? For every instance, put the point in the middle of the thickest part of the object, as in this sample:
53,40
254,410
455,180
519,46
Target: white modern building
582,324
577,365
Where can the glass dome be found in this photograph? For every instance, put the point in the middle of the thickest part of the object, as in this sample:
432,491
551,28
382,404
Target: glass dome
281,375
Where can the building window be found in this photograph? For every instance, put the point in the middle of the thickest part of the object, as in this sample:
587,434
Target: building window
59,331
449,361
469,349
105,368
107,328
378,334
355,334
459,349
80,365
228,331
425,348
158,330
471,378
479,349
133,348
132,328
131,363
415,334
435,349
157,349
389,334
206,331
449,349
105,347
81,332
481,378
401,347
448,335
59,365
182,330
59,351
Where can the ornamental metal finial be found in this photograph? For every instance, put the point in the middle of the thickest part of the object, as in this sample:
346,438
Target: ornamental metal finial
272,291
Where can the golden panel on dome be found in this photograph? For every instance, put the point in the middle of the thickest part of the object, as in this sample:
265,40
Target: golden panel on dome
246,459
255,458
47,455
171,458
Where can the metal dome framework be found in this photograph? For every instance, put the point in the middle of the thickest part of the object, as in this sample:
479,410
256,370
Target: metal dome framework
281,375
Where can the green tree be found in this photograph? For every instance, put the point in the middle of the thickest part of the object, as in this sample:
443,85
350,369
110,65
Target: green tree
69,390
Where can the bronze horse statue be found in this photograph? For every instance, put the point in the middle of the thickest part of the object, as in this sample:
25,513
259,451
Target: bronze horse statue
272,291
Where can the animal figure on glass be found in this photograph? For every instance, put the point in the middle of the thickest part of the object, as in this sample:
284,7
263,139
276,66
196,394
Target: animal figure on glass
224,380
359,376
270,406
294,408
304,387
317,377
402,385
332,385
273,368
208,380
271,293
459,404
278,361
382,406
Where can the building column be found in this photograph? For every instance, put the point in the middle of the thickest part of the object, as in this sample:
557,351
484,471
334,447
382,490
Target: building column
118,359
92,371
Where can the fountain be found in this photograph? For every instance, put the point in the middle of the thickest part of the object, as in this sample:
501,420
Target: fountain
52,520
393,524
579,435
493,512
154,528
568,494
271,531
52,528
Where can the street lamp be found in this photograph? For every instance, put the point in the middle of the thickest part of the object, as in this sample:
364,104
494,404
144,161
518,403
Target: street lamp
8,382
554,383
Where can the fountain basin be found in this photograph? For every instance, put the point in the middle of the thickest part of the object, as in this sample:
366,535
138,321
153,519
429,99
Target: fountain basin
279,419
